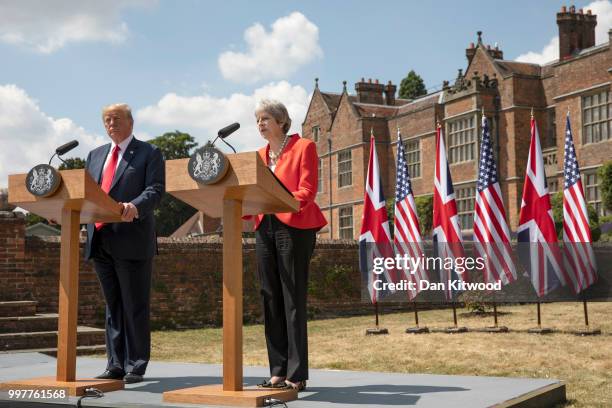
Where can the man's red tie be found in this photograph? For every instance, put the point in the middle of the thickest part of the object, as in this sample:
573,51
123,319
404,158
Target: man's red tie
109,174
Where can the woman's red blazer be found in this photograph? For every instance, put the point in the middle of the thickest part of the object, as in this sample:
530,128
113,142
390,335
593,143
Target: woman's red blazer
297,169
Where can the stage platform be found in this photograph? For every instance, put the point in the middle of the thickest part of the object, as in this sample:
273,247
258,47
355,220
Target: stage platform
327,388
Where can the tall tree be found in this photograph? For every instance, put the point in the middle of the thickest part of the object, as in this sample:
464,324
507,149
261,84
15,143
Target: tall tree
172,212
412,86
72,163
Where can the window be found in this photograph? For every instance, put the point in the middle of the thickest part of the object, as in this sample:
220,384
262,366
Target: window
465,197
315,133
461,140
345,168
596,117
320,177
591,192
553,185
413,157
346,223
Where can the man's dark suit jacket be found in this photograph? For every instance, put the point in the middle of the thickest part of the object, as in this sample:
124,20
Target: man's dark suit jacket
140,179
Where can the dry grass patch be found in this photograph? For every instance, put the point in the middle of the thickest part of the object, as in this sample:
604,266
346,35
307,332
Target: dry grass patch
585,363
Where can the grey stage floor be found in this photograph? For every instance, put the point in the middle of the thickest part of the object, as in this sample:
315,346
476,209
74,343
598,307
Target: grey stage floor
326,388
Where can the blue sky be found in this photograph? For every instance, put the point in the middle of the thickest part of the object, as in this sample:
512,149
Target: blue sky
198,65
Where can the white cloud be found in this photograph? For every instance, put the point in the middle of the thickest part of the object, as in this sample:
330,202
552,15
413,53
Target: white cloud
601,8
292,42
202,116
46,26
28,136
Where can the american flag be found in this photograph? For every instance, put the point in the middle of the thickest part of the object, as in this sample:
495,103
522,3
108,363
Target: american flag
540,252
375,236
491,233
407,234
448,242
579,259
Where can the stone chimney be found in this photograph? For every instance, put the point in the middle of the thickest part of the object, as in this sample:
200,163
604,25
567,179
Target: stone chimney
576,31
494,52
370,92
390,94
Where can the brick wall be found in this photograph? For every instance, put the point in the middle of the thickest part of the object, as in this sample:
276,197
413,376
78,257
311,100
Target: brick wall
186,283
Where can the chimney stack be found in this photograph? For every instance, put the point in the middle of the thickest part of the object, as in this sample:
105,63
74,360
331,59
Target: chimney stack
576,31
390,94
370,92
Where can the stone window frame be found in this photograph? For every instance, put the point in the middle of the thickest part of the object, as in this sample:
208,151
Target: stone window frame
465,197
345,231
462,141
413,157
590,124
320,176
553,185
316,131
592,190
345,168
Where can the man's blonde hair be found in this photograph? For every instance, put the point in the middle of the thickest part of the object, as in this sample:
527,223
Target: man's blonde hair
124,107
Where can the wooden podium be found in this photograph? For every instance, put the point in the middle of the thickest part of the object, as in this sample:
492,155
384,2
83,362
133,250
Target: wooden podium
79,200
249,187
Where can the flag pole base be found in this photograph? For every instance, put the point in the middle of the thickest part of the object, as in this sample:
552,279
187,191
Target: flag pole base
376,331
540,330
496,329
453,330
417,330
586,331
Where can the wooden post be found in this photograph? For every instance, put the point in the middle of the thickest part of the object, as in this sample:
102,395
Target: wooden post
68,296
232,295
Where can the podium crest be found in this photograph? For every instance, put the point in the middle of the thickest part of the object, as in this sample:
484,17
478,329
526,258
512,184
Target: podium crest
43,180
208,165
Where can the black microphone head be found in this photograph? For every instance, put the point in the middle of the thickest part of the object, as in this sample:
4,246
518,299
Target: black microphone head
65,148
228,130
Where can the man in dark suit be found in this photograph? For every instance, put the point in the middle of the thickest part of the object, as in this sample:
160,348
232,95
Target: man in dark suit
133,173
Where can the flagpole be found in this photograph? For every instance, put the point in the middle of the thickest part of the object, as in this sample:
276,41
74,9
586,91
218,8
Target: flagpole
416,314
495,315
376,313
376,330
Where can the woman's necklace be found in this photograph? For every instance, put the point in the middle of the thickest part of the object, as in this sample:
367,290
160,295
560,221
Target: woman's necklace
274,156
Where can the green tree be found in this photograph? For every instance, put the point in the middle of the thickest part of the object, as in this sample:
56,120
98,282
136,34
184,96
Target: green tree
412,86
424,206
172,212
605,185
72,163
175,145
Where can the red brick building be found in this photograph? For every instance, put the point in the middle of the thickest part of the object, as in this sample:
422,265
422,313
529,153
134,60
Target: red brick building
507,91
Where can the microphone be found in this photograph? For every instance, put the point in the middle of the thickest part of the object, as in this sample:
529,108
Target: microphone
65,148
228,130
225,132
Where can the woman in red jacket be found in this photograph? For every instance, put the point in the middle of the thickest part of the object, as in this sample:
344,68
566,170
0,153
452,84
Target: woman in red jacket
284,245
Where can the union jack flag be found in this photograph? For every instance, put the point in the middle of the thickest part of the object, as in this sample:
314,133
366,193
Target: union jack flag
407,234
542,258
579,259
491,233
375,236
448,242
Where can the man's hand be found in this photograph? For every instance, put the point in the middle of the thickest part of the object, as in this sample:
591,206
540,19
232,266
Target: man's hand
129,212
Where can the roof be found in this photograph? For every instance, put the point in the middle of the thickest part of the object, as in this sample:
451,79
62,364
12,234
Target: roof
190,227
372,110
40,229
515,67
